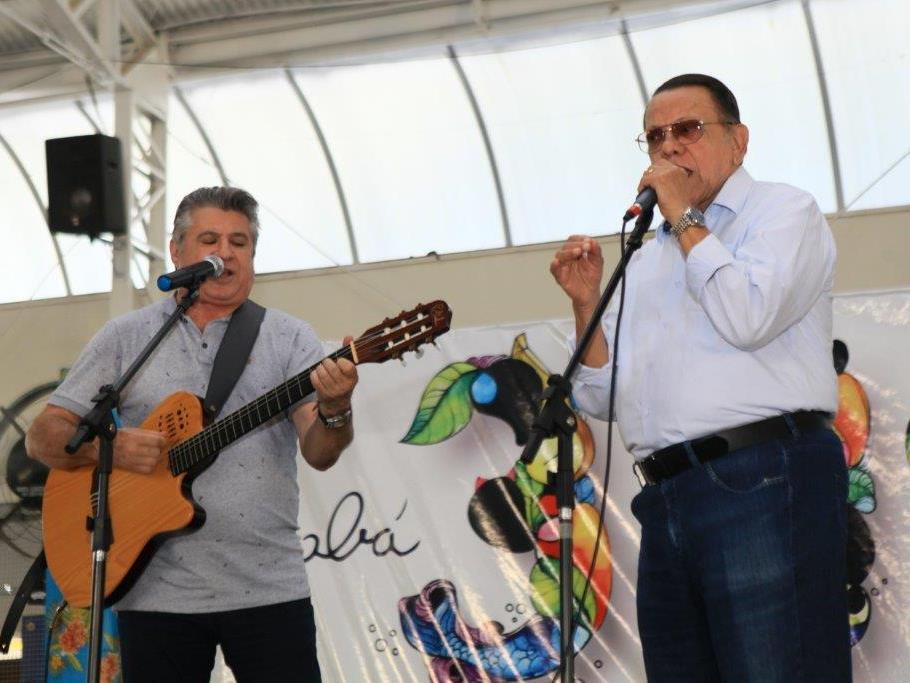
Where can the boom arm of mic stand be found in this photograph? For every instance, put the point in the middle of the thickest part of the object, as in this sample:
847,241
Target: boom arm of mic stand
560,386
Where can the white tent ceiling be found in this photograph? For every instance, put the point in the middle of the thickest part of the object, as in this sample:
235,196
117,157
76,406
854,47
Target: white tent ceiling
380,130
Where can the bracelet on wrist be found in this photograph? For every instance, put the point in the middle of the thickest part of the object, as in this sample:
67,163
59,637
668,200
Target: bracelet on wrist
334,421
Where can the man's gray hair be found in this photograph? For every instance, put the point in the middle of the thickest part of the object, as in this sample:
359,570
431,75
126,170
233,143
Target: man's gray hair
219,197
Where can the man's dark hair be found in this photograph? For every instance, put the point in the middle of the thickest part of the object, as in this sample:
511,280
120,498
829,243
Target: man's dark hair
723,98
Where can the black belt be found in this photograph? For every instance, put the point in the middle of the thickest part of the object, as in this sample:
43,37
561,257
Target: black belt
670,461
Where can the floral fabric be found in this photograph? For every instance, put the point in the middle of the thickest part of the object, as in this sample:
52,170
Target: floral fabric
67,657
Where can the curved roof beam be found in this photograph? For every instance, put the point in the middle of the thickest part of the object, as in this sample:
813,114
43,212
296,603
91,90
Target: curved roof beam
636,66
43,209
203,134
826,106
330,161
491,157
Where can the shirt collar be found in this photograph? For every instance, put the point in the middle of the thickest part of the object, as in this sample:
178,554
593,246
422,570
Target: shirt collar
733,194
169,305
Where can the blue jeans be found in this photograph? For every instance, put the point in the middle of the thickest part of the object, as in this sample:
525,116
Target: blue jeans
742,567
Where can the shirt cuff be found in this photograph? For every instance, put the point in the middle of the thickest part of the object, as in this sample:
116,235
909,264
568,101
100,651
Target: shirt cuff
705,259
591,386
598,378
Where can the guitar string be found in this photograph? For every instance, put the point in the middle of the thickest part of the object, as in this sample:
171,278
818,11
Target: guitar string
230,423
239,423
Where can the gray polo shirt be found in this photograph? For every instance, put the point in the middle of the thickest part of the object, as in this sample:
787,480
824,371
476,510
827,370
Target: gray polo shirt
248,552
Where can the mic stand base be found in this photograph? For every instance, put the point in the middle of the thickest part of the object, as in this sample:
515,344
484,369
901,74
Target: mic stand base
565,500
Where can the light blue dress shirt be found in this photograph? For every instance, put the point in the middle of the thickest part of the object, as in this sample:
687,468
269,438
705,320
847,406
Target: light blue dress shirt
737,332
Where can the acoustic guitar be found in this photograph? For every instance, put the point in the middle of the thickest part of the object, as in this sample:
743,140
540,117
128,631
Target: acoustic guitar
147,509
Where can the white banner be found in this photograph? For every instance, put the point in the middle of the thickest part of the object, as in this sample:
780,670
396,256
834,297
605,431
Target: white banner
875,331
431,547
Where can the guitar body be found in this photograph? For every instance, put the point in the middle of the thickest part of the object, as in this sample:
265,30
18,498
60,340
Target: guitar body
145,510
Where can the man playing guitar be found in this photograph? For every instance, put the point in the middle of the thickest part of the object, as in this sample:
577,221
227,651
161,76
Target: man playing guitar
239,580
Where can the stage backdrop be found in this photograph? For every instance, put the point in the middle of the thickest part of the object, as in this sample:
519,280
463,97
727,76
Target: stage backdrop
432,548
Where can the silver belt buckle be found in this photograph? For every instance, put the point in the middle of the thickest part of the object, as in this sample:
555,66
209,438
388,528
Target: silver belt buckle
639,474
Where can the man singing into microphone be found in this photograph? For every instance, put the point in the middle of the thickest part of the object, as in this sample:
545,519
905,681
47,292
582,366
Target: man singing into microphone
725,388
239,580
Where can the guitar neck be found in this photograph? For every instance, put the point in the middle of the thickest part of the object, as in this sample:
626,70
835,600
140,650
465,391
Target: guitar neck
221,433
389,339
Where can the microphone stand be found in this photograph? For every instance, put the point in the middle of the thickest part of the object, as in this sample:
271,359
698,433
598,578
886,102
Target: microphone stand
102,422
557,419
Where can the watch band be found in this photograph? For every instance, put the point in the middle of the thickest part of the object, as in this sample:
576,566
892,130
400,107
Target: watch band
689,218
335,421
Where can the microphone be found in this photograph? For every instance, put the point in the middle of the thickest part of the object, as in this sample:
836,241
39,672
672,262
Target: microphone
643,203
191,276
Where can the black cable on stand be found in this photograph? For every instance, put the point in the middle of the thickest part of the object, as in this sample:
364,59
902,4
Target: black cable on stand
102,422
556,419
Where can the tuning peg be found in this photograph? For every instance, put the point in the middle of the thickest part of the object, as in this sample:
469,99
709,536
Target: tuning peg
418,353
403,362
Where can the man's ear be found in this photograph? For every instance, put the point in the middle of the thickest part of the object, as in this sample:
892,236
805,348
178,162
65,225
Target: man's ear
740,136
174,251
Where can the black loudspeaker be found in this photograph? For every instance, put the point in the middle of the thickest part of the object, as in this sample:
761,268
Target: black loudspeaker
85,185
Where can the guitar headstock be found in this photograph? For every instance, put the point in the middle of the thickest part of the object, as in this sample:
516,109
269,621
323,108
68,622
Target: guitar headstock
407,331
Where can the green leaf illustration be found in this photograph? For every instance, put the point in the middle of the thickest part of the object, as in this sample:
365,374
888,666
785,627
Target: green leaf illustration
445,407
861,490
531,490
545,596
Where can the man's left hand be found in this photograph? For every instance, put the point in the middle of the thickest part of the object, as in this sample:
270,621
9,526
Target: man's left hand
334,382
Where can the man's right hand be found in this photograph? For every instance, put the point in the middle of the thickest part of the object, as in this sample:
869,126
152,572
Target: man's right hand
578,268
138,450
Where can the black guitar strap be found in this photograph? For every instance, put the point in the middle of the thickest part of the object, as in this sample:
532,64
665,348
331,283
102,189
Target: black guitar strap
232,355
230,361
33,577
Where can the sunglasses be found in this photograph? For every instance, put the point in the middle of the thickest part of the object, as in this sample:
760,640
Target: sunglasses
685,132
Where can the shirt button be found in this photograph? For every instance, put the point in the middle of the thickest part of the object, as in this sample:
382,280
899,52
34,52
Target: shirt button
205,345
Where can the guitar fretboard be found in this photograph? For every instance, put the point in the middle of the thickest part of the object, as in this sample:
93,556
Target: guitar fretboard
221,433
